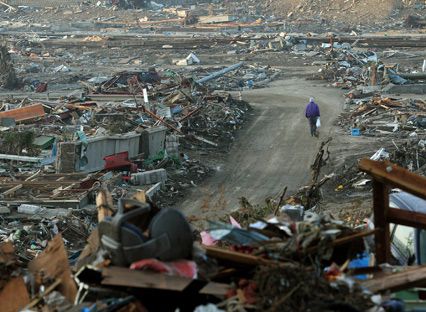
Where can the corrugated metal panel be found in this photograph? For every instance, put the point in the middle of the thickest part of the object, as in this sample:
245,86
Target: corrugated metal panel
24,113
97,149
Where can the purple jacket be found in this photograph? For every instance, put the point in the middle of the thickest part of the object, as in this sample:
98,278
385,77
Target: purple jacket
312,110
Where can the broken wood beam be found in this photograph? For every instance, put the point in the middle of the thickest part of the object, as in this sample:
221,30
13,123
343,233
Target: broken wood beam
12,190
236,257
119,276
414,277
161,120
25,113
40,296
344,240
8,6
395,176
33,176
104,204
381,224
190,114
407,218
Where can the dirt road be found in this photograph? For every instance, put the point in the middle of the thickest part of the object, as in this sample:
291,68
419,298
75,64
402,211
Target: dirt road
273,150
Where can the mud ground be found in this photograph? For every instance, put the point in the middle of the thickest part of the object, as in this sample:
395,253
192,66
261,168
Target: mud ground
274,150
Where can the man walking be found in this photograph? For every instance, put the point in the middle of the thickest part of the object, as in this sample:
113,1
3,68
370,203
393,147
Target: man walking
312,112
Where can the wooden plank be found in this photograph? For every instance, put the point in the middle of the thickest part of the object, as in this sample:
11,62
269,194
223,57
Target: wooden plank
14,296
236,257
12,190
380,208
415,277
33,176
350,238
408,218
395,176
40,297
344,240
140,196
7,252
119,276
24,113
215,289
53,263
9,6
58,191
104,204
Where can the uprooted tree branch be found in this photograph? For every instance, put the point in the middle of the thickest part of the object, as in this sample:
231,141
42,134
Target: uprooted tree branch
310,194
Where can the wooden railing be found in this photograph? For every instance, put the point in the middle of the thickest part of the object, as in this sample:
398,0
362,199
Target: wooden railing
386,176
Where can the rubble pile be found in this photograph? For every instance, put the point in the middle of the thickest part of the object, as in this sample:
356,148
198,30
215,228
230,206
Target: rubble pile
348,69
185,115
305,290
246,77
362,72
407,153
182,176
350,11
411,155
31,235
263,243
127,107
290,260
384,116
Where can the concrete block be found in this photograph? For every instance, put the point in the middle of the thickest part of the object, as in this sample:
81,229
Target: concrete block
152,141
172,145
4,210
67,157
153,190
149,177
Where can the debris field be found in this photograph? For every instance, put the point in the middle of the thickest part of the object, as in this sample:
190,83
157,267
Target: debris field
114,112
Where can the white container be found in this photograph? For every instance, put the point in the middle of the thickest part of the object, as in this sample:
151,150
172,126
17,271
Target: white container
29,209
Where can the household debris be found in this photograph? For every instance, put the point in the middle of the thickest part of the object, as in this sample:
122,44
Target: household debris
384,116
121,125
80,137
236,267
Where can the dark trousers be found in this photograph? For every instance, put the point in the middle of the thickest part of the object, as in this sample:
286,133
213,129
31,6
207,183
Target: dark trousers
313,125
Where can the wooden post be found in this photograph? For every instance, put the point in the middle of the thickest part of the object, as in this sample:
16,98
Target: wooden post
104,204
373,76
381,208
